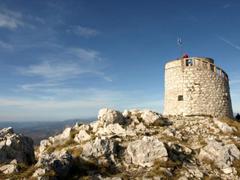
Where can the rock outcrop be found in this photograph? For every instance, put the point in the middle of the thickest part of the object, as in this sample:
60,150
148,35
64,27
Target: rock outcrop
146,151
14,149
137,144
222,155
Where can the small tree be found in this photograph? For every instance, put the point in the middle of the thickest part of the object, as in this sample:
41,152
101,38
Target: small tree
238,116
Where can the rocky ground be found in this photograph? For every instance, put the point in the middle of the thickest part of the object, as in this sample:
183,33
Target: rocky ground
134,144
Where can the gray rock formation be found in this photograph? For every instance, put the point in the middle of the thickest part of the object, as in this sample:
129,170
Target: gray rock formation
222,155
146,151
137,144
59,161
15,147
109,116
101,151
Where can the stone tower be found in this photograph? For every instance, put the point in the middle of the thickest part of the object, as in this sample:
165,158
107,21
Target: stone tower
196,86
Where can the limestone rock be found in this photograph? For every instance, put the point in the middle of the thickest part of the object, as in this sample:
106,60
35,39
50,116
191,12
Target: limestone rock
150,117
6,131
112,129
43,145
134,144
132,113
109,116
15,146
145,151
140,127
82,136
100,147
40,172
9,169
58,161
222,155
59,139
225,128
64,136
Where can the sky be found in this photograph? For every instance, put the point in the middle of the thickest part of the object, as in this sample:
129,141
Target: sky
67,59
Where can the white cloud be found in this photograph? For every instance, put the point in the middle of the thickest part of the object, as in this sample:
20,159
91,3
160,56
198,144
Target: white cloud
74,103
68,63
54,71
33,86
10,19
230,43
85,54
83,31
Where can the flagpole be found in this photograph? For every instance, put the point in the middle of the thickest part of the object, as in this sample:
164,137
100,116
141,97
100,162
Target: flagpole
180,45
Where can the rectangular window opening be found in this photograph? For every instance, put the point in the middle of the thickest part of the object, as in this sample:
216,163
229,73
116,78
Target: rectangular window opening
189,62
212,67
180,98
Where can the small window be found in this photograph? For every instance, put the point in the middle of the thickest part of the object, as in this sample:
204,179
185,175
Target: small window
212,67
189,62
180,98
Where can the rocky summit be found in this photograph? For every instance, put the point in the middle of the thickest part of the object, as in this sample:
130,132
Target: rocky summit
134,144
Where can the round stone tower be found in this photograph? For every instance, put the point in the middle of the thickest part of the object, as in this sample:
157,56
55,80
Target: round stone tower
196,86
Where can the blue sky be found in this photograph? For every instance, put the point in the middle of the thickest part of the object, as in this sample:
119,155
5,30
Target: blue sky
66,59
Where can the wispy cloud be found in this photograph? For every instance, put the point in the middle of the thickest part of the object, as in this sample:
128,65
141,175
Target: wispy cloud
74,103
42,85
10,19
230,43
83,31
85,54
69,63
53,70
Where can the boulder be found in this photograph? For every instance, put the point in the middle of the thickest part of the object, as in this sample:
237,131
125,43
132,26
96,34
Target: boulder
5,131
9,168
58,161
82,136
222,155
140,127
109,116
101,150
146,151
60,138
43,145
111,129
15,146
150,117
39,173
224,127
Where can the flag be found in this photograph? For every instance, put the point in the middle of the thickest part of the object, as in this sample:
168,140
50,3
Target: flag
179,41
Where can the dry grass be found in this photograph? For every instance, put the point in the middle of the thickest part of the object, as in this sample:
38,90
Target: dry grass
25,172
209,162
236,165
159,168
59,147
167,139
67,143
75,152
232,123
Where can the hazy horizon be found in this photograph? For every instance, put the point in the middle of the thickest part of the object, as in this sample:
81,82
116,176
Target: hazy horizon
64,60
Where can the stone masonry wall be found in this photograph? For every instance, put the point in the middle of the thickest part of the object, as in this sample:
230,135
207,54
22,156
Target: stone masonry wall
173,88
204,91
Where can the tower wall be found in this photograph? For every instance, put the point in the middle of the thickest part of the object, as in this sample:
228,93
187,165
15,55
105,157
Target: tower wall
195,86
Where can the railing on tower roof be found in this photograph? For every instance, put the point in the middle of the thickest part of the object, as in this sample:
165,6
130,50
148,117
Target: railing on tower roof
200,62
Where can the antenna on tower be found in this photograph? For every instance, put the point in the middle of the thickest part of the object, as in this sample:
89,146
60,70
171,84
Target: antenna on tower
180,45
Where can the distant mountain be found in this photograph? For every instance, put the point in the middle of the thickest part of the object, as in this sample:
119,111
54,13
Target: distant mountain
39,130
